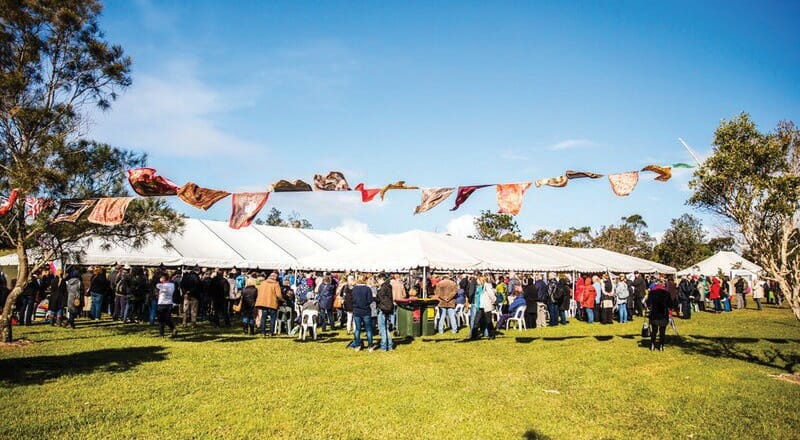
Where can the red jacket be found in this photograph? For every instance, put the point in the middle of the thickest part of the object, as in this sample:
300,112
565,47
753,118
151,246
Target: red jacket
580,286
715,287
589,294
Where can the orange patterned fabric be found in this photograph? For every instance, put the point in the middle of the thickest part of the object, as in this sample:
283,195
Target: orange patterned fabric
509,197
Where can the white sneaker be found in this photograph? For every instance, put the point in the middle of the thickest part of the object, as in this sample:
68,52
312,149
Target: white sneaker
371,349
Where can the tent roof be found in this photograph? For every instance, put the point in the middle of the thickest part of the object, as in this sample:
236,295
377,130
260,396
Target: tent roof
724,261
415,249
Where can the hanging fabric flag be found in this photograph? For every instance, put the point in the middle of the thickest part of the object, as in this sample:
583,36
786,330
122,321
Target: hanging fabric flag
581,174
70,210
509,197
432,197
334,181
367,194
110,211
464,192
7,203
664,173
682,165
33,206
558,182
287,186
245,208
623,183
145,183
401,184
202,198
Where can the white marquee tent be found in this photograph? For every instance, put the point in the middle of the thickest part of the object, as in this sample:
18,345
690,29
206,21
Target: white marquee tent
724,261
213,244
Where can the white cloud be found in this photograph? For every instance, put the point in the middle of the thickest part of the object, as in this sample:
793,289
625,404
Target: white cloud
571,143
463,226
354,230
172,113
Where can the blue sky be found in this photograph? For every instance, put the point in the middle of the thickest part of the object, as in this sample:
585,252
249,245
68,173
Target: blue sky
445,94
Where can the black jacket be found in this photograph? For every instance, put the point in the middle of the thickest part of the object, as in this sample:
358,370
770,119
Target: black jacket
658,301
530,293
385,299
191,285
100,284
248,301
638,287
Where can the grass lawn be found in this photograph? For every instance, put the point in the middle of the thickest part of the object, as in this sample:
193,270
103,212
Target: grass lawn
109,380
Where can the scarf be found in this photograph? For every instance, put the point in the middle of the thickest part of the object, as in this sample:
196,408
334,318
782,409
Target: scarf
464,192
287,186
70,210
664,173
623,183
432,197
198,197
110,211
401,184
581,174
558,182
509,197
7,203
367,194
334,181
145,183
245,208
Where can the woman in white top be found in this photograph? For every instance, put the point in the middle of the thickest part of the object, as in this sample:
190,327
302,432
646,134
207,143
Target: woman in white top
165,291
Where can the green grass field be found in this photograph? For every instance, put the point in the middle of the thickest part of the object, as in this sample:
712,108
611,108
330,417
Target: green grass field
110,380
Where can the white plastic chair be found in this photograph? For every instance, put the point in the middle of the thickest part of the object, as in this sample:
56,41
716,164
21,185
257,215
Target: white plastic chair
498,310
308,320
518,318
283,319
436,315
461,317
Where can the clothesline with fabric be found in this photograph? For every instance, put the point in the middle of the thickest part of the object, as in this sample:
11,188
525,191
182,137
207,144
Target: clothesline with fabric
245,206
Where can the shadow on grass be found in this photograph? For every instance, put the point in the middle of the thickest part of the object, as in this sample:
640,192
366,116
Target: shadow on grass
39,369
731,348
533,434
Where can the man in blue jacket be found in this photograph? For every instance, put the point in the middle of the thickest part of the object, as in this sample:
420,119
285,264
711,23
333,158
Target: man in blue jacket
518,302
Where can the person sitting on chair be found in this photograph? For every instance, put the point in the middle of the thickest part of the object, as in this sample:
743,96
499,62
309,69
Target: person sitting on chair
518,302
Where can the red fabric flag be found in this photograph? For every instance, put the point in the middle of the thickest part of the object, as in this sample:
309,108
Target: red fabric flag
464,192
509,197
145,183
7,204
110,211
367,194
623,183
245,208
202,198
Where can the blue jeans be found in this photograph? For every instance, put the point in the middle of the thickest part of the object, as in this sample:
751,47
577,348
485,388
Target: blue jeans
552,309
326,315
153,310
273,315
623,313
589,315
97,303
28,309
449,313
383,328
563,315
128,311
367,321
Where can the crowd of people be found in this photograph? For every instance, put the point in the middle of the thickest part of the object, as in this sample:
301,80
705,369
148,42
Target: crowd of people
267,302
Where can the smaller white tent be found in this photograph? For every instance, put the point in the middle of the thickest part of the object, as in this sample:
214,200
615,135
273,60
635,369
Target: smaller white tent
724,261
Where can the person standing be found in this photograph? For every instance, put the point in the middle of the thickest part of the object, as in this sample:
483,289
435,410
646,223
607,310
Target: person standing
658,302
99,288
542,301
565,293
165,291
446,291
247,306
622,293
362,312
639,288
685,294
531,302
269,294
606,300
738,287
192,289
589,295
325,293
715,294
758,294
553,299
385,303
74,288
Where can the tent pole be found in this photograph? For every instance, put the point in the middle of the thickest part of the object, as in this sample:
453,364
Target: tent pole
424,282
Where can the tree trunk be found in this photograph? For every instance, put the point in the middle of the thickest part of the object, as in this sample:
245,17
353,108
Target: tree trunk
794,302
22,280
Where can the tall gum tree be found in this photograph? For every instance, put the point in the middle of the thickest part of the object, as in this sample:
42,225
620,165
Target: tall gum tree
752,182
55,66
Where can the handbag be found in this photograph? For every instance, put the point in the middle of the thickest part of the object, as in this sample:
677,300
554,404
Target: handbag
76,302
237,307
337,302
645,330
